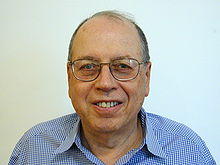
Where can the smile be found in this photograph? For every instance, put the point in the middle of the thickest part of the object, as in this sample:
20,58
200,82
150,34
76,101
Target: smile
107,104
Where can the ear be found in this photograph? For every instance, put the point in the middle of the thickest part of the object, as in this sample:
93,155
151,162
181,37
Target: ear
148,72
69,71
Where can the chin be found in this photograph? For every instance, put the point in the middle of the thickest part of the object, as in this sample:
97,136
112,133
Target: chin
106,126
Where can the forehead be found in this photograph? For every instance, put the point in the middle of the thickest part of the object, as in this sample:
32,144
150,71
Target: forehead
107,36
107,23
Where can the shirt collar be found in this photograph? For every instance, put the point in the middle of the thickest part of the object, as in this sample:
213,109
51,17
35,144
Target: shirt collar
70,139
150,139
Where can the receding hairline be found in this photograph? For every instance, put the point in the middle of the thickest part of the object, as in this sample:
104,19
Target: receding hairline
118,17
115,15
113,20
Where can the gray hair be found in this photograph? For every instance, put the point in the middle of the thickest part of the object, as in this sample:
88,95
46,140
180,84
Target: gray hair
118,16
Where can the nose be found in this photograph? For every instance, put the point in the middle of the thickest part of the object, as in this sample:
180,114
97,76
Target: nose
105,81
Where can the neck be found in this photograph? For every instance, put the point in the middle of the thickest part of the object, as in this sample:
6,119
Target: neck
110,146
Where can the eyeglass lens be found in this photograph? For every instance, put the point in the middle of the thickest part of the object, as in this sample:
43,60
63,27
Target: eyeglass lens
88,70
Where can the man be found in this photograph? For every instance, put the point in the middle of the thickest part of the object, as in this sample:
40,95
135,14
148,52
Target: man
108,75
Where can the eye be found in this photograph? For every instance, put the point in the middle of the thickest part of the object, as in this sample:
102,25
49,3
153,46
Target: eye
89,66
123,66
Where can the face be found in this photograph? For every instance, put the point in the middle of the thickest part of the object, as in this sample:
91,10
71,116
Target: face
104,40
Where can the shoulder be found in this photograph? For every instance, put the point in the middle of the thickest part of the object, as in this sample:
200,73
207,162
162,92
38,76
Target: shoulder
62,123
43,138
177,138
171,127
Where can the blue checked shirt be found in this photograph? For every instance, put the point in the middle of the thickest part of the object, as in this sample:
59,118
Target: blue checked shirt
58,142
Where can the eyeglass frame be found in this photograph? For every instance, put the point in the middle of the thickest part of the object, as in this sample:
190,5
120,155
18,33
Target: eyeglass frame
107,63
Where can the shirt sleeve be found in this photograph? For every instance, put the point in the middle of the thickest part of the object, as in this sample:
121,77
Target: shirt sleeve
15,154
20,152
205,153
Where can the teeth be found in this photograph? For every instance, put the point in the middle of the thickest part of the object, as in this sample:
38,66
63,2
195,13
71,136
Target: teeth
104,104
107,104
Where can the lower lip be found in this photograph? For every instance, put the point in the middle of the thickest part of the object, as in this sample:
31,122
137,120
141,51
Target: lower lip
109,110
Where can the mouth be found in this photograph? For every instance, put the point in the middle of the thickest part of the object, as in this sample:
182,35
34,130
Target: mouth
108,104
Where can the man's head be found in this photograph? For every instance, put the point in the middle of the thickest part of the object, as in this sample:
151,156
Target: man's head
107,104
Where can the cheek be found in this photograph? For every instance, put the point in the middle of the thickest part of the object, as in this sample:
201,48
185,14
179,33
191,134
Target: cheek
136,90
78,93
140,90
78,99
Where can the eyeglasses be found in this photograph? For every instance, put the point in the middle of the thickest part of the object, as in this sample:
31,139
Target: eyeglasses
121,69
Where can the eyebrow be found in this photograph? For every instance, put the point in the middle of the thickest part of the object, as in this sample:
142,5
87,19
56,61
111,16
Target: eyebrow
87,58
98,59
121,57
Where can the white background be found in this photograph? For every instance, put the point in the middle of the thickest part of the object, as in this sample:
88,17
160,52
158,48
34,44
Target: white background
184,41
